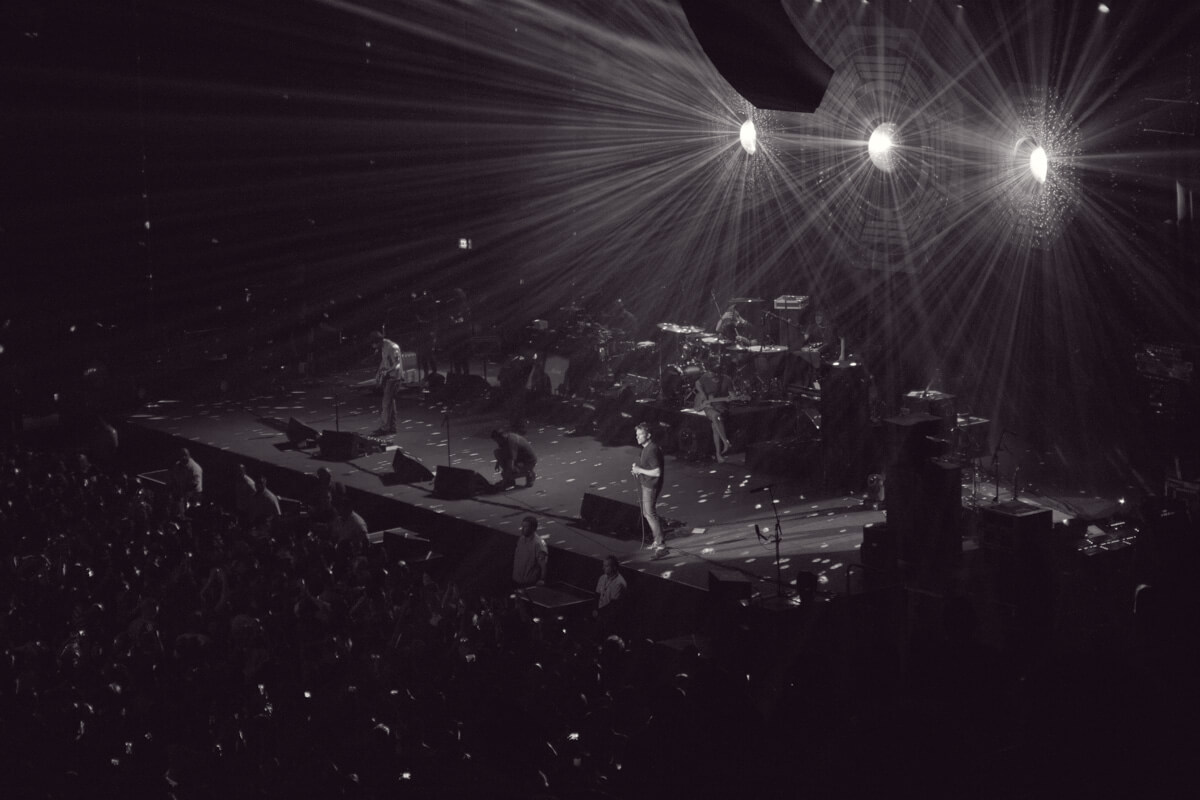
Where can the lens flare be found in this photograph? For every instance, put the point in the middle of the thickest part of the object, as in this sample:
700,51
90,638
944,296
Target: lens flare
749,137
1039,164
881,146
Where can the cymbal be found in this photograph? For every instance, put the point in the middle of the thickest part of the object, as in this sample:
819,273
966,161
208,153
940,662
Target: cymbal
671,327
747,300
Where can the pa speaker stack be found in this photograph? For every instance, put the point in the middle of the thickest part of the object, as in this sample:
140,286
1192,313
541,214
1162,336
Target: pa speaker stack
924,491
453,483
755,46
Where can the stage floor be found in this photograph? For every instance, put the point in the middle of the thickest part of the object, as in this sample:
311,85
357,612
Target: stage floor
713,508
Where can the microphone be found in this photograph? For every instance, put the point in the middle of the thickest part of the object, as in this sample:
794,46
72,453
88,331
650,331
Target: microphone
762,488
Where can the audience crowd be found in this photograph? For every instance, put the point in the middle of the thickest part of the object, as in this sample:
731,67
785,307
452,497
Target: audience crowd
149,652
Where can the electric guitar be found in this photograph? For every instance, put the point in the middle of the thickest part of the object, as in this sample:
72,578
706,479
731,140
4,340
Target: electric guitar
703,401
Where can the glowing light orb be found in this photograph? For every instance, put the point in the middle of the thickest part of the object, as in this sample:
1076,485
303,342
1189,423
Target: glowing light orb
749,137
881,146
1039,164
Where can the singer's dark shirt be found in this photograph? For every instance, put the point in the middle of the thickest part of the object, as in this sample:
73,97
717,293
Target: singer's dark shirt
650,458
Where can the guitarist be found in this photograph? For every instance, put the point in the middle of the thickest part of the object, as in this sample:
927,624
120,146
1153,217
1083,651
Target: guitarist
387,378
714,390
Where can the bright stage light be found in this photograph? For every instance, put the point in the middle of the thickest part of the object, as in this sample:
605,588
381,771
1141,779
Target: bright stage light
1039,164
1027,150
881,146
749,137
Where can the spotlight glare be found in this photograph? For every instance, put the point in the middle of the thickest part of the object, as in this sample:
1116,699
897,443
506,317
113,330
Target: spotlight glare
880,146
1039,164
1103,8
749,137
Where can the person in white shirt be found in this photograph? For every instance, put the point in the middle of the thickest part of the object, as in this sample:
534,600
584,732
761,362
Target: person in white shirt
264,506
529,559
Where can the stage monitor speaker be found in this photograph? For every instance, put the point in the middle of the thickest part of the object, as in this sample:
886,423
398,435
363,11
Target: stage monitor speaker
409,469
298,433
345,445
728,584
756,48
612,517
453,483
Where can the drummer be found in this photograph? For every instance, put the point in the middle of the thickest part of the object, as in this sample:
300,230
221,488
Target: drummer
729,325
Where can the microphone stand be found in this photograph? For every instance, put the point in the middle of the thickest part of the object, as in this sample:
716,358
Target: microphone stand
446,425
777,539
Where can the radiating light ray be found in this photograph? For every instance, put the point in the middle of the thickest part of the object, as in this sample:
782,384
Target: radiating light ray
590,150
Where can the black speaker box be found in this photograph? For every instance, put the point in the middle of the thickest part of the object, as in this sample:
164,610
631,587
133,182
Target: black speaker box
453,483
345,445
913,437
924,509
728,584
943,509
1015,527
612,517
409,469
845,426
298,433
755,46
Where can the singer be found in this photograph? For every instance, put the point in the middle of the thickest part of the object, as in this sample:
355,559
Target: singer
649,472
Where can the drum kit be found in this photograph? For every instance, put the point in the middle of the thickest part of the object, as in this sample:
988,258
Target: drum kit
578,349
686,351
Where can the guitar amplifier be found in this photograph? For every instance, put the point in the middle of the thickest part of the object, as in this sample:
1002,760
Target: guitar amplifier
788,301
